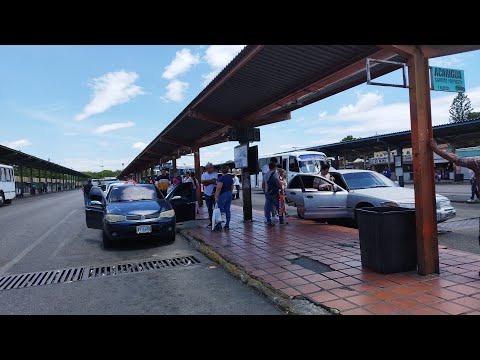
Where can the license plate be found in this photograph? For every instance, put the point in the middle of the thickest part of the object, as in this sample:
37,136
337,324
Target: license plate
144,229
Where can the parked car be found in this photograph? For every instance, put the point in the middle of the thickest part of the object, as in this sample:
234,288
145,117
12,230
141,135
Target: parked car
351,190
136,211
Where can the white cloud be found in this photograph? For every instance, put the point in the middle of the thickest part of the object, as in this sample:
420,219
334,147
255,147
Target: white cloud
70,134
183,62
381,119
16,144
139,145
322,114
89,164
451,61
290,146
115,126
365,102
111,89
175,90
218,56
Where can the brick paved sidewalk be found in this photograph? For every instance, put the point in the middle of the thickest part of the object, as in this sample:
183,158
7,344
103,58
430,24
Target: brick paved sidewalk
338,280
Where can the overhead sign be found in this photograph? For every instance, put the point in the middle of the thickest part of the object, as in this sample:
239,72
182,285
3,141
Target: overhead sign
444,79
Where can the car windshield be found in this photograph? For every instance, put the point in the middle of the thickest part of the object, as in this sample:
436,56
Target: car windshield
310,163
133,193
367,180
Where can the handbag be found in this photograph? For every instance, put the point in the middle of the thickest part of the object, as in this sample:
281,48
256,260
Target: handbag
216,216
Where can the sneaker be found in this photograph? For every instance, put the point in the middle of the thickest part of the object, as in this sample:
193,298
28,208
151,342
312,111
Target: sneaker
270,224
284,223
209,225
275,218
226,227
470,201
217,228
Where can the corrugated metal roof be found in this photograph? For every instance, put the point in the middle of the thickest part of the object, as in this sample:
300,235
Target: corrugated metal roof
14,157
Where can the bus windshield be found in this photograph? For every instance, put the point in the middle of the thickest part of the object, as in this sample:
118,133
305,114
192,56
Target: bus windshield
310,163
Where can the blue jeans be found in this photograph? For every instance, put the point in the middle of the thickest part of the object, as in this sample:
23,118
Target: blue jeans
224,202
86,200
209,200
269,201
474,190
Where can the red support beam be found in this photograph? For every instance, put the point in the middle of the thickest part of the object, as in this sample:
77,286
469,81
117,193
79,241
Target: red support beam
213,118
431,51
174,142
272,119
403,50
423,166
337,76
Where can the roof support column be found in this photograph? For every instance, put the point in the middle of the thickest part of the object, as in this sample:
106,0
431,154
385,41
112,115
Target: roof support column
196,161
246,192
400,177
31,180
174,166
421,124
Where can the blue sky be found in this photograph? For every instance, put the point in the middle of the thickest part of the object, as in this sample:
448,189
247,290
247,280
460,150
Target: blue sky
88,106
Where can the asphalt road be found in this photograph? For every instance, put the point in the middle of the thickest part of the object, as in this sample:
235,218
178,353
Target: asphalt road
48,232
460,233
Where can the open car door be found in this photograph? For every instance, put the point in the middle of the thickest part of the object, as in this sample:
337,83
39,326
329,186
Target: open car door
95,209
182,198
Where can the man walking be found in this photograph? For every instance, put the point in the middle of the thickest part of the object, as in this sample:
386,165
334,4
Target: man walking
473,182
208,180
86,190
272,188
236,183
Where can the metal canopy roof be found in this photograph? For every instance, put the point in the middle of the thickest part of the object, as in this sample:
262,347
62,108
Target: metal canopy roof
464,134
15,157
260,86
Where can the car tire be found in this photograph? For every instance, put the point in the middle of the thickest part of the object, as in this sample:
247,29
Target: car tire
107,243
2,200
8,201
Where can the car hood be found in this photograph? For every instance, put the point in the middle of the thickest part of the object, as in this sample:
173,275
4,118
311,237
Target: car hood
399,194
138,207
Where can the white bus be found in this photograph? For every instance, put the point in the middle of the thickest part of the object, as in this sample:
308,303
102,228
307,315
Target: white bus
7,184
296,162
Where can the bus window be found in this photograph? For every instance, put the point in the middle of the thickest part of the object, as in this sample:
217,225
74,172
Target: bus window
2,174
293,164
284,164
9,175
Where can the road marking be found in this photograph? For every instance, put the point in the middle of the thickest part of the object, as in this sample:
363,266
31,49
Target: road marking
20,256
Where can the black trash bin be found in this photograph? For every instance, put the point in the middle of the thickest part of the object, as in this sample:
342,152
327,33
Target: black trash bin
388,241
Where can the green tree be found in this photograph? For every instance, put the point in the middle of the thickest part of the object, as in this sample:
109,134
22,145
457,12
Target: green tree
474,115
460,108
349,138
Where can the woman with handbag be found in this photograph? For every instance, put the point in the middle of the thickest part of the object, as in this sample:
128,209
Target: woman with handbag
223,196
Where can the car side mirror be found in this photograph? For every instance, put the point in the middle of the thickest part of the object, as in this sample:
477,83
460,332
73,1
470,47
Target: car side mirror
335,188
176,197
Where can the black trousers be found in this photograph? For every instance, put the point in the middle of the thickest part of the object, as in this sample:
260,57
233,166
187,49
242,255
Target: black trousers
238,191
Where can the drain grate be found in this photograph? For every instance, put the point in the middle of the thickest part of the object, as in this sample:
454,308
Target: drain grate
312,265
84,273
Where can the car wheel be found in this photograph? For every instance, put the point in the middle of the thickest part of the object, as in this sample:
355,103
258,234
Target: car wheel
300,215
2,200
107,243
8,201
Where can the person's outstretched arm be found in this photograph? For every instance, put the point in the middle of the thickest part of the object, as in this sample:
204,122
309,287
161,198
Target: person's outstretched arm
446,155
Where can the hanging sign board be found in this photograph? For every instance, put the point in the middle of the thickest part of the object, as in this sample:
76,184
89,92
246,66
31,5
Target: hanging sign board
444,79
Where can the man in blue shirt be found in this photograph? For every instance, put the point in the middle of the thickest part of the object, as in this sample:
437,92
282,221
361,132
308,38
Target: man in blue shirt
387,172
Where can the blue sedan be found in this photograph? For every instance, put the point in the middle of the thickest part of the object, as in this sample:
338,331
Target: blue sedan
139,211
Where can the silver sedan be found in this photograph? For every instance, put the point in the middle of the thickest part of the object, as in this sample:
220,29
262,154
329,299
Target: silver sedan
318,198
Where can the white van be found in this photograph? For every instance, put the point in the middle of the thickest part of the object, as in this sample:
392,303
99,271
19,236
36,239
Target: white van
7,184
296,162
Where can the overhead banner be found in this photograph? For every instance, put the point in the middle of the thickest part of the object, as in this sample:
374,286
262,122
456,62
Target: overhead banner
444,79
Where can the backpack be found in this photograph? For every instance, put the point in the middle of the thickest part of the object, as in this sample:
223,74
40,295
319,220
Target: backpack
273,187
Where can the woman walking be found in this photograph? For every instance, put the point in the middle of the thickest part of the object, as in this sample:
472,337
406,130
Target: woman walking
223,196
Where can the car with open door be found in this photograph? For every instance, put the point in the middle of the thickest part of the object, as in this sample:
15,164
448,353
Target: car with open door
351,190
133,211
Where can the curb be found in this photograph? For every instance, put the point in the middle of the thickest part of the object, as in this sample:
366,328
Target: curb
299,305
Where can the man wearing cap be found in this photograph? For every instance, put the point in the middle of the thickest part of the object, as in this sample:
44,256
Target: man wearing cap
86,190
209,179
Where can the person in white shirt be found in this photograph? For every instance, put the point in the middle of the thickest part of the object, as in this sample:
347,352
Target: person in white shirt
236,183
209,179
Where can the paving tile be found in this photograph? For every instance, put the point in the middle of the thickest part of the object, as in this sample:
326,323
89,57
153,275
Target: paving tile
303,272
382,283
362,300
364,287
426,299
403,290
308,288
328,284
473,313
382,309
349,280
451,308
279,285
421,287
351,271
440,282
356,311
268,278
290,292
345,292
405,303
426,311
464,289
384,295
297,281
333,274
471,302
285,275
340,304
475,284
445,294
458,278
315,278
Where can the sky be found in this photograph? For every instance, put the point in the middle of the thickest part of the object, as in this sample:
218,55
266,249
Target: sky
88,107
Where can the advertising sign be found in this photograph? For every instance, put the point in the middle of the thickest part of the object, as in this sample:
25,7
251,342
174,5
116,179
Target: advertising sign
444,79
